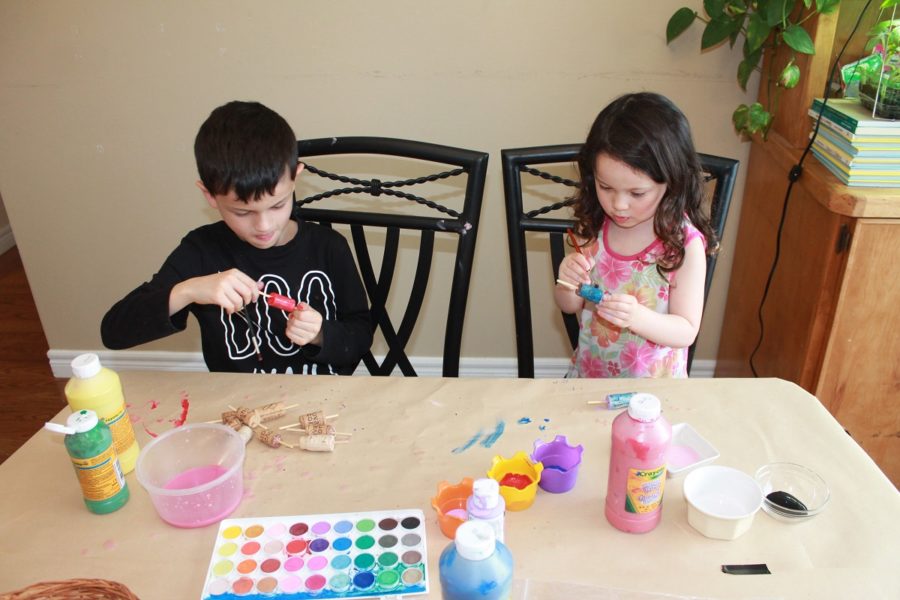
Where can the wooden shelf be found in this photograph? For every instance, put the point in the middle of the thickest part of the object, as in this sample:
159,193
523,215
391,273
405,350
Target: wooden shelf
860,202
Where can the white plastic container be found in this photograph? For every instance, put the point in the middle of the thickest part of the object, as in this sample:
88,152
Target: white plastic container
722,501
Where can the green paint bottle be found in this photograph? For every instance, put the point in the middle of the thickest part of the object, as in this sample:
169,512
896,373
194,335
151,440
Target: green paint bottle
89,442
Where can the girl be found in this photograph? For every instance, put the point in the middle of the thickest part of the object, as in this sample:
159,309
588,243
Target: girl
639,210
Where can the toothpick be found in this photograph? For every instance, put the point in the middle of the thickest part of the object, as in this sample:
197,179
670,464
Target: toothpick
216,421
291,446
603,402
566,284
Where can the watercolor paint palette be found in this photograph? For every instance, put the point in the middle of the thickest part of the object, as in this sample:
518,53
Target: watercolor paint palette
344,555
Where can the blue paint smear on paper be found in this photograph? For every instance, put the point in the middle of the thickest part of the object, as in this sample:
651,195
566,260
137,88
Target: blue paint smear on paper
489,441
524,421
468,444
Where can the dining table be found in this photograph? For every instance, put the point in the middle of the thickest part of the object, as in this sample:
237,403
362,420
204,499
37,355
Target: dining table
406,435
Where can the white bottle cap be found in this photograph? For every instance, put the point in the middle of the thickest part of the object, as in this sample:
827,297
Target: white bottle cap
644,407
486,499
85,366
475,540
82,420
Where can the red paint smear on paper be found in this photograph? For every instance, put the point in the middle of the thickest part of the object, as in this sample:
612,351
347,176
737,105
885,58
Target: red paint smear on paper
516,480
150,433
185,406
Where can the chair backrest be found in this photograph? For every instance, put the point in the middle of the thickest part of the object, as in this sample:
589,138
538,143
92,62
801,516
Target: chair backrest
519,162
371,194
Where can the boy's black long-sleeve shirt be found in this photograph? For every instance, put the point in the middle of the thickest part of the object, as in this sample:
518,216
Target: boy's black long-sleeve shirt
315,267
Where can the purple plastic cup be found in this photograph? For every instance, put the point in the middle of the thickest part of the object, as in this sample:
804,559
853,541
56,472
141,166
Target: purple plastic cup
561,462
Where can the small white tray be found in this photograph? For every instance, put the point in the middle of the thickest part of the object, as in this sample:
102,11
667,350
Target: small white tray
688,450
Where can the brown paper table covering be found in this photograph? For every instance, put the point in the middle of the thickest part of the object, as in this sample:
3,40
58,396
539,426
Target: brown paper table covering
404,433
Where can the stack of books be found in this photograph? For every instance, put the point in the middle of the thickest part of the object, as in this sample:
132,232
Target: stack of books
861,150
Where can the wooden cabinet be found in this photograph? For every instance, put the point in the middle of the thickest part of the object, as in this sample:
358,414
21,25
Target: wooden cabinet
831,321
832,317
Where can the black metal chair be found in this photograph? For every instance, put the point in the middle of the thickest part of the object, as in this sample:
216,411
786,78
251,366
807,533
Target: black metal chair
517,162
372,195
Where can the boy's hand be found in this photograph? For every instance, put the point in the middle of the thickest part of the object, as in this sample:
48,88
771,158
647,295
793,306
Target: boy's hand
622,310
305,326
231,290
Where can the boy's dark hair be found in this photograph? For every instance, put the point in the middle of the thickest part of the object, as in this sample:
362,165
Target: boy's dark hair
650,134
247,147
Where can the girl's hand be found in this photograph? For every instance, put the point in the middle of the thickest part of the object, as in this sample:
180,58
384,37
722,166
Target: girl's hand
231,290
304,326
622,310
575,268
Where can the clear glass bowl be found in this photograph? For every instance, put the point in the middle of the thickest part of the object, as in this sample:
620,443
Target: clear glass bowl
800,482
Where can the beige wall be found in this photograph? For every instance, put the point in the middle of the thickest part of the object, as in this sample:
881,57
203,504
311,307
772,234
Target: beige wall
100,101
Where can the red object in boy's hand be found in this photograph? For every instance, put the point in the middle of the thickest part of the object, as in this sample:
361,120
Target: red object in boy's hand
284,303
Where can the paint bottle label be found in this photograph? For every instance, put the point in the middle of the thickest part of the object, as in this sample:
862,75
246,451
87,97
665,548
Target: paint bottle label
644,489
100,476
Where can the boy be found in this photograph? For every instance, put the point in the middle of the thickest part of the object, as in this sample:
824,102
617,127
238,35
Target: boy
247,160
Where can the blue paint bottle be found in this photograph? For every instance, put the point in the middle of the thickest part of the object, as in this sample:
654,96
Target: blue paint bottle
476,565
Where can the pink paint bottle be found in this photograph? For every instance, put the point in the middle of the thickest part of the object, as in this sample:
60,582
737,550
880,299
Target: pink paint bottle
637,466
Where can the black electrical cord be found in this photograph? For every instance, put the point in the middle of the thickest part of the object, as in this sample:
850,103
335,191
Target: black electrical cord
793,175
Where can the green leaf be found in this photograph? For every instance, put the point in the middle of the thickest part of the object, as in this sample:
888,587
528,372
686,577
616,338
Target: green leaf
759,118
746,68
757,32
741,118
714,8
790,76
889,4
797,38
679,22
826,7
715,32
778,11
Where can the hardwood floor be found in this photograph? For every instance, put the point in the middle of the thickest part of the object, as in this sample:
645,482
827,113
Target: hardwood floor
29,394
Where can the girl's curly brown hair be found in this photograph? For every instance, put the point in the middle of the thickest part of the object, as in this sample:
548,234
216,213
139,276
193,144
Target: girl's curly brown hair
650,134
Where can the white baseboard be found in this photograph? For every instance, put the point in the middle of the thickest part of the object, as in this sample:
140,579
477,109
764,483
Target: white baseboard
137,360
7,240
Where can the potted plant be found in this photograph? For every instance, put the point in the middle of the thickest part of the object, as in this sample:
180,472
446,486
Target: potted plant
879,76
765,26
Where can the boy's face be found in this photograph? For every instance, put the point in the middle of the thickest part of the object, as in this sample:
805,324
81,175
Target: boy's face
262,223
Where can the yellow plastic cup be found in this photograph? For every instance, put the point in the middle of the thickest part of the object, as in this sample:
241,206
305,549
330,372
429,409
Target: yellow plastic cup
450,505
510,473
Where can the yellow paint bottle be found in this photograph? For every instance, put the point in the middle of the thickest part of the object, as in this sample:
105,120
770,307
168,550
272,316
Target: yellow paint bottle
97,388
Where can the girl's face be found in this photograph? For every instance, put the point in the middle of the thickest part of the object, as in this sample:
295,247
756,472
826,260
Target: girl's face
628,197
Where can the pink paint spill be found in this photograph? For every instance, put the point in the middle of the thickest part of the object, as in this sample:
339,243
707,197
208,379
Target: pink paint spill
109,545
185,406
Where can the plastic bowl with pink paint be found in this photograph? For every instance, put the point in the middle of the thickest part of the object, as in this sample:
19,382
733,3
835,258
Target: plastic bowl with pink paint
688,450
194,473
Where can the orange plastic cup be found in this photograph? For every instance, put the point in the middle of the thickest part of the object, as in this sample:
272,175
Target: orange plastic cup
450,505
512,474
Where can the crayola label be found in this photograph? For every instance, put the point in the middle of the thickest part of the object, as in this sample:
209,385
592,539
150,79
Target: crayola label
100,476
644,489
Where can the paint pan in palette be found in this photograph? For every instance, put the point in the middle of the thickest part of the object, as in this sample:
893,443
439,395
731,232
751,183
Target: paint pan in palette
345,555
